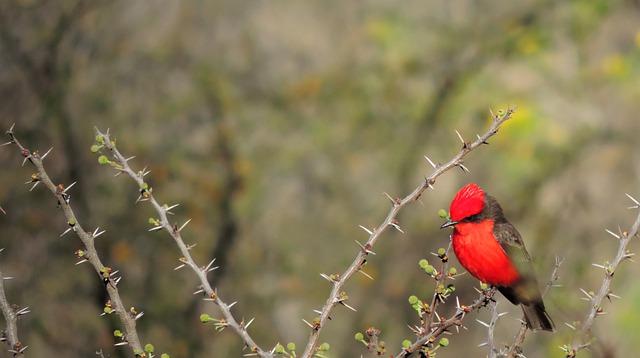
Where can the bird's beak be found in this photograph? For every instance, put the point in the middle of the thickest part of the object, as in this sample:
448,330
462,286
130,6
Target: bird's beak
448,223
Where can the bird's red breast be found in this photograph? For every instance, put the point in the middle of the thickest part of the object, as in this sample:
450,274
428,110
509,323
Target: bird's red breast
481,254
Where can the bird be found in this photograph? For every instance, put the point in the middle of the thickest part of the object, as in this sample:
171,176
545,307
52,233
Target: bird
490,248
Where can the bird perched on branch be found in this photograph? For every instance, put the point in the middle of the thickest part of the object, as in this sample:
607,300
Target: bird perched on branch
492,250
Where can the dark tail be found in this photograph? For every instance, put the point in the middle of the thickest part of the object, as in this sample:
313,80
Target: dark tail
537,317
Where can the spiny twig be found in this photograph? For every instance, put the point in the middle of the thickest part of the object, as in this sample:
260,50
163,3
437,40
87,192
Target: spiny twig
437,297
486,296
520,336
89,253
495,315
162,223
11,314
596,300
391,221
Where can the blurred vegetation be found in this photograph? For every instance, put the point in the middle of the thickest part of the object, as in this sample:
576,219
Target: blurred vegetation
277,126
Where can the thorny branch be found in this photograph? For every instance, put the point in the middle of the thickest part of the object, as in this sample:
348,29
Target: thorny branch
437,296
433,325
89,253
146,194
485,298
514,349
493,306
11,314
605,292
335,296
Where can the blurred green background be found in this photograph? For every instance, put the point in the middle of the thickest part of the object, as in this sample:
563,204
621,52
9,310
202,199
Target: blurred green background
277,125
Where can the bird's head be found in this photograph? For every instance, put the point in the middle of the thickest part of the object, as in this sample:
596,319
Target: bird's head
468,201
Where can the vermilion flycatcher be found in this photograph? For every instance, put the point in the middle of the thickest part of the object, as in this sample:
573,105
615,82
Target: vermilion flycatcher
492,250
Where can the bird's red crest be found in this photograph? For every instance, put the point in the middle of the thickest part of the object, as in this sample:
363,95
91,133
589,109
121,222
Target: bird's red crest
467,202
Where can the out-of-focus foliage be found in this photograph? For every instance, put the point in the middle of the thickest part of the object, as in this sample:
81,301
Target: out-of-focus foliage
277,126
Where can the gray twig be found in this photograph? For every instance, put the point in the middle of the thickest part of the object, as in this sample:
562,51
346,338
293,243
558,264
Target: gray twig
596,300
11,314
514,348
122,166
89,253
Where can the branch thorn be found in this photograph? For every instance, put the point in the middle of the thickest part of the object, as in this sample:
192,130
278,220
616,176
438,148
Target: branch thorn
45,154
460,137
613,234
430,162
183,225
365,229
366,274
634,200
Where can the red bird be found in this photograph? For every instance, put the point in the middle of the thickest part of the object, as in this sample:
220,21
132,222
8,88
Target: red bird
492,250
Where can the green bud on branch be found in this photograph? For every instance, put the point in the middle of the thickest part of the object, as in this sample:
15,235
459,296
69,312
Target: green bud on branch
149,348
443,214
324,347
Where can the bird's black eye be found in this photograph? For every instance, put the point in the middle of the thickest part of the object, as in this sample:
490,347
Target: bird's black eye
471,219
